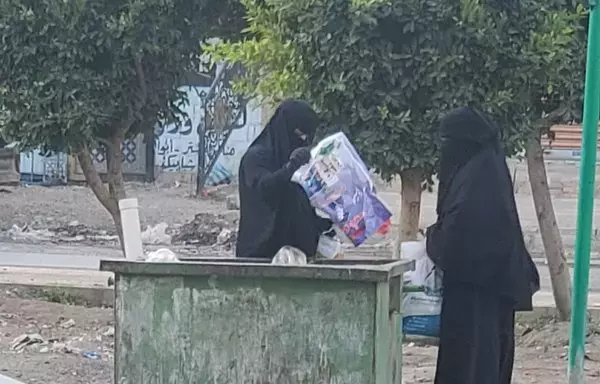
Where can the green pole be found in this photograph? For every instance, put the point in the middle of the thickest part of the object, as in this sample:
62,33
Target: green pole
585,203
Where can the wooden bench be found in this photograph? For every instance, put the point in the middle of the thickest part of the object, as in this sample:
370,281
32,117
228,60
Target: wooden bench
563,137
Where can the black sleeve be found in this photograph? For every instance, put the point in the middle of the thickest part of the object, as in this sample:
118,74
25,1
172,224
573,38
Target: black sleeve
259,175
473,233
323,224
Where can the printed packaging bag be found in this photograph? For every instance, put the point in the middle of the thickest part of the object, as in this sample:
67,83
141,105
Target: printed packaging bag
338,183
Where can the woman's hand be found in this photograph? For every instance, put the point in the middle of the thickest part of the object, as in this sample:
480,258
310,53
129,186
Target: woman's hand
324,225
299,157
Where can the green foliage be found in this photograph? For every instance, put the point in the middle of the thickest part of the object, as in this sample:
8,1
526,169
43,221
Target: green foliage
544,43
76,72
386,71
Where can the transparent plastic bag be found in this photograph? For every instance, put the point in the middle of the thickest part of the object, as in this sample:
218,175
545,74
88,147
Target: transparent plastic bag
338,183
329,248
288,255
163,255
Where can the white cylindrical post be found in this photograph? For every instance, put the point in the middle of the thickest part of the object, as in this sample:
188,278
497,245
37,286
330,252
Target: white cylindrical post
132,234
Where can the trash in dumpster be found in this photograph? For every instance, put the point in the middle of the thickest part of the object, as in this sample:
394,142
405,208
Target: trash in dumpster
329,248
162,255
288,255
422,303
338,183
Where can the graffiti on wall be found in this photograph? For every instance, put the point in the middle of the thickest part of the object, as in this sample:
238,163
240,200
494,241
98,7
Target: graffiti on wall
177,147
177,144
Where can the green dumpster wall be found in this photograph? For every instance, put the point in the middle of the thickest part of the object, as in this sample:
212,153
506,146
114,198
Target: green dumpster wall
236,323
238,331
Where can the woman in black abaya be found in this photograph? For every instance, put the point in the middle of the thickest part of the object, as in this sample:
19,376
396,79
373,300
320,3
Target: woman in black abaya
478,244
274,210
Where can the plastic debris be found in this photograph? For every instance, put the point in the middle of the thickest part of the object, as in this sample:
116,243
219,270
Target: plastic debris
91,355
25,340
288,255
162,255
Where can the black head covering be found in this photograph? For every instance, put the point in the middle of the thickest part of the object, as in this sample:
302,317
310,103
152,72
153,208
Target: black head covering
293,125
274,210
464,132
478,240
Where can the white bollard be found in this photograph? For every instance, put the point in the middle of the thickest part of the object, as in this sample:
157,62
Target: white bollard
132,234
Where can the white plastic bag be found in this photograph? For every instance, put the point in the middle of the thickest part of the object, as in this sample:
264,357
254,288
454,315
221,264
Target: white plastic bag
288,255
329,248
163,255
421,310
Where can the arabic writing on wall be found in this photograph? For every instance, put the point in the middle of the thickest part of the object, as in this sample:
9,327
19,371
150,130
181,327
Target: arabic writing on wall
177,147
176,144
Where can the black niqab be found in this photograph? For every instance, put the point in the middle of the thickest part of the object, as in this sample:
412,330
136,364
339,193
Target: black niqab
274,210
282,133
478,237
464,132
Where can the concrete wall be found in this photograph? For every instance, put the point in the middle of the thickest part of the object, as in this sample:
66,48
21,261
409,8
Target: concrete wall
176,145
36,167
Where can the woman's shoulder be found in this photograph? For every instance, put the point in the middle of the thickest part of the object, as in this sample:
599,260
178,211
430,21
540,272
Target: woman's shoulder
255,151
256,155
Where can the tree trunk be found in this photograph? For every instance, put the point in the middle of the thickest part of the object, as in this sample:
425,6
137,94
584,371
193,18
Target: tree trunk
119,227
108,197
114,175
410,208
551,237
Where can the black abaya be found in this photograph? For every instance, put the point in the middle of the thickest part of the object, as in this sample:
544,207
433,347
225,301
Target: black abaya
477,242
274,211
478,338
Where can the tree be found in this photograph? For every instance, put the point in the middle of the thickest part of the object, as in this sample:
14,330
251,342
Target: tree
387,70
547,85
384,71
555,97
83,73
541,70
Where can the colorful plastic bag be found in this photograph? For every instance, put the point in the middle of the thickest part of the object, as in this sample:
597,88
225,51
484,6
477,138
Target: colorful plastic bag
338,183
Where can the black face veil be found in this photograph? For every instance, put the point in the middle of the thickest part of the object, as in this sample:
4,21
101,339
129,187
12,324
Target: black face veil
293,125
464,133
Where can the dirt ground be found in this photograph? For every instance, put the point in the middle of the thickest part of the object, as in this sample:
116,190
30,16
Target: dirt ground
45,207
532,366
69,344
74,345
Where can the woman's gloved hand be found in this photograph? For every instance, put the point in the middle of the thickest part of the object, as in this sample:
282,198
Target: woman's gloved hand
299,157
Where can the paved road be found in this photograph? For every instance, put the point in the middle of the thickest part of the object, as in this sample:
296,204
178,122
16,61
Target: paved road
88,258
81,257
53,256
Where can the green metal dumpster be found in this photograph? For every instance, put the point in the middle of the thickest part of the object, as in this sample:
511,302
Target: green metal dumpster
216,321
